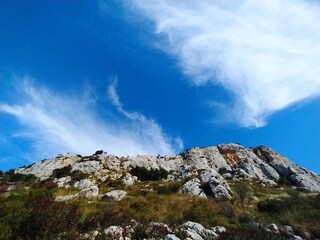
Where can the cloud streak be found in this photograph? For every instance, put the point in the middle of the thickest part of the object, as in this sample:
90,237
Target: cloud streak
266,53
57,123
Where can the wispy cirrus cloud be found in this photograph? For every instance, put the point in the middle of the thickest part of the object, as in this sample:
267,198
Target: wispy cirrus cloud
266,53
57,123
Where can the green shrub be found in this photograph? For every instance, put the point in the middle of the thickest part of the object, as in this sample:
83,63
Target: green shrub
243,190
169,188
273,206
145,174
11,176
140,232
61,172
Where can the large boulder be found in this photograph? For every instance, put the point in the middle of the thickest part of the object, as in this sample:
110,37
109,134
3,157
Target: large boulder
196,231
216,185
192,188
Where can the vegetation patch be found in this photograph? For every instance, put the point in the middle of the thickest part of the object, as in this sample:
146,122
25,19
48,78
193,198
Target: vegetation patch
145,174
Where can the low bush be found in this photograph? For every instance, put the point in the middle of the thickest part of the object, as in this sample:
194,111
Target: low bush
145,174
168,188
61,172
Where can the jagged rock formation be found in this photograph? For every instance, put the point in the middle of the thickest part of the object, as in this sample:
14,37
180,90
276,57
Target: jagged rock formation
209,167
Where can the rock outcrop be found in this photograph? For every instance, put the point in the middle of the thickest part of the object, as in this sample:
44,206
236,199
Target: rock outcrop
210,165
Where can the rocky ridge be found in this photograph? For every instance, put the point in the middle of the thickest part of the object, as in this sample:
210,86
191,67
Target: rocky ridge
211,165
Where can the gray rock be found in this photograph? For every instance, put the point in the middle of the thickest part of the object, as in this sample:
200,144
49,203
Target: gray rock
196,231
89,192
248,164
129,180
65,197
297,175
272,227
83,184
171,237
218,185
62,182
287,230
295,237
115,195
192,188
115,232
86,167
44,169
219,229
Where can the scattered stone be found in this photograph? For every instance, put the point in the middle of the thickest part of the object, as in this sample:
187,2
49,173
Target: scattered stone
115,232
65,197
219,229
272,227
287,230
115,195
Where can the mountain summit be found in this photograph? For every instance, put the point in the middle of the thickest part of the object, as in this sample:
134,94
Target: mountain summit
227,185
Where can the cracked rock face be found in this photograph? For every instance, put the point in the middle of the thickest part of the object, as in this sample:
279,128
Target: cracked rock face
297,175
192,188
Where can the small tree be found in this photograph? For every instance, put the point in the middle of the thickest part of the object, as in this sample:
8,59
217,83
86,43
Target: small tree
243,190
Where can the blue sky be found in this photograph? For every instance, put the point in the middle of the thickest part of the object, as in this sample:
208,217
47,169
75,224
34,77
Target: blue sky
149,77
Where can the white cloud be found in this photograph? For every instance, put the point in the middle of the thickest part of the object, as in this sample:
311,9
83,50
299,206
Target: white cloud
266,53
64,123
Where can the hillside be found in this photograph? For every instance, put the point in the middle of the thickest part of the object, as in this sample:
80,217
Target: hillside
218,192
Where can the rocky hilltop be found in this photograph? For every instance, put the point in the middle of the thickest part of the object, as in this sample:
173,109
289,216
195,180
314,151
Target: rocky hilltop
212,165
225,191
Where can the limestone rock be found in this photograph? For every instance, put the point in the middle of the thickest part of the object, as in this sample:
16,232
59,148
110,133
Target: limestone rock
297,175
272,227
171,237
86,167
115,195
192,188
83,184
128,179
196,231
44,169
115,232
65,197
89,192
219,229
62,182
287,230
248,164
